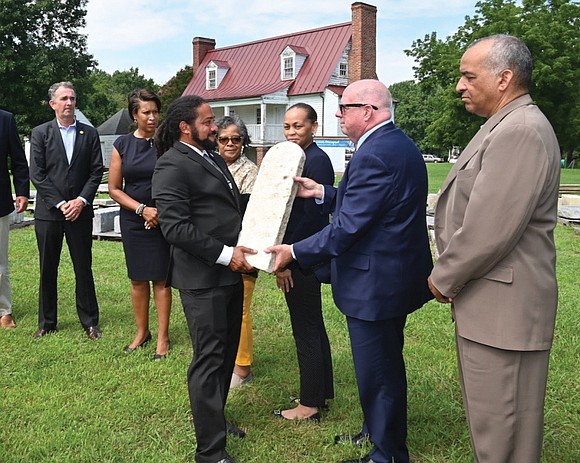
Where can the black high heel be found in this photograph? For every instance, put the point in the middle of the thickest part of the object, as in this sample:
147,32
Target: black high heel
157,356
129,350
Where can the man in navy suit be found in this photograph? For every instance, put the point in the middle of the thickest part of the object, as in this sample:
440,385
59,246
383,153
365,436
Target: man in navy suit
66,167
10,147
376,252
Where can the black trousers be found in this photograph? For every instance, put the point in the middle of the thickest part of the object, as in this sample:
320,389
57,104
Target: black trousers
214,318
312,345
79,239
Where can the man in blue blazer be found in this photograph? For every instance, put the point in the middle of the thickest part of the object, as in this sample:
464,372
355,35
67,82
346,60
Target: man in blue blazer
66,167
377,251
10,147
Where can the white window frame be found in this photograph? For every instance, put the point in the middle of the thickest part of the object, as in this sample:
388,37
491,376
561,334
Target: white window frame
211,77
288,64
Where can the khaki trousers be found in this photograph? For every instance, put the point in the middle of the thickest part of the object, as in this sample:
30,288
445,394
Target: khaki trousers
503,395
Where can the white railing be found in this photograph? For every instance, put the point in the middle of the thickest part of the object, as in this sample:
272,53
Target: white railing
272,133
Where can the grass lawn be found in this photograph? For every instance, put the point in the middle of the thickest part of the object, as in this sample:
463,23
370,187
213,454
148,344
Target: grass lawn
65,398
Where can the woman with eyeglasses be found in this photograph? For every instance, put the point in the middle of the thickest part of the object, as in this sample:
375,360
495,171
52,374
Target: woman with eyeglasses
301,287
233,139
146,251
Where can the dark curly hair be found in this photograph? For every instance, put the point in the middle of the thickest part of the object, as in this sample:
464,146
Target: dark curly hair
182,109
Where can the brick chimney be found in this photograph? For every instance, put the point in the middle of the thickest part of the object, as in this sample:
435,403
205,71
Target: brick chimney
201,46
362,62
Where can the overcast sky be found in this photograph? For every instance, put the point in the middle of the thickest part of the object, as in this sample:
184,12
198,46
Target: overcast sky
155,35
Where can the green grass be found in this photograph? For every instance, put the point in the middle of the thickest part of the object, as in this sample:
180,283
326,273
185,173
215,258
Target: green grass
65,398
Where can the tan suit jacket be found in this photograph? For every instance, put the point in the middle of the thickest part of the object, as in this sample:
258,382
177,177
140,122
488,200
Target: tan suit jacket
494,225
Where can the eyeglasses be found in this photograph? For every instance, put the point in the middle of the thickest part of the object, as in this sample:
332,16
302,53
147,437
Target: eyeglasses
226,140
355,105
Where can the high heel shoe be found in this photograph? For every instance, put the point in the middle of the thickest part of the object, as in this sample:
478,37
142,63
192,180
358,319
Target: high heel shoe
157,356
129,350
315,417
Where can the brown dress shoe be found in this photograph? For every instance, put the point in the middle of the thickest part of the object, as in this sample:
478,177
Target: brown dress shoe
40,332
7,322
93,332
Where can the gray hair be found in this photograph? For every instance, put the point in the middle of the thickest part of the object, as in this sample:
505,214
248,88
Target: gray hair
509,52
54,87
233,119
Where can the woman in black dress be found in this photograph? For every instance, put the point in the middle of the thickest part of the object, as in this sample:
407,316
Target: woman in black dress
300,286
146,251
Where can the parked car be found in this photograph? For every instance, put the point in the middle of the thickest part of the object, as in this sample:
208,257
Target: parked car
431,158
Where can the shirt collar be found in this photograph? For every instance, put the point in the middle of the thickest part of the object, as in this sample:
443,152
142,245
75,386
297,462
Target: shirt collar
60,126
368,133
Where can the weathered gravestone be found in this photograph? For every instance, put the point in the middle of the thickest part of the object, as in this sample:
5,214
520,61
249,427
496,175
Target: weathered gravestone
270,203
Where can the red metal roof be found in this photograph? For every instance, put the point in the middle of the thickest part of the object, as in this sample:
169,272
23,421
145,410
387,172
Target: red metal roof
254,67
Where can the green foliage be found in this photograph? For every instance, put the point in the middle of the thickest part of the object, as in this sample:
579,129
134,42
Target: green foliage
40,44
175,86
108,93
549,28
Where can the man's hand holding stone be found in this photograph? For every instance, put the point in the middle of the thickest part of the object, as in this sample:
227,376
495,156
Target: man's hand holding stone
308,188
283,256
239,262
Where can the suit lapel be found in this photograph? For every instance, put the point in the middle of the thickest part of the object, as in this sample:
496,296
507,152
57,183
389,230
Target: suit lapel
196,157
59,143
79,140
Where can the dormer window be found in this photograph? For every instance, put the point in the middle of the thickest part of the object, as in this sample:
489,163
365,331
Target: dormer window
215,71
288,68
291,61
211,78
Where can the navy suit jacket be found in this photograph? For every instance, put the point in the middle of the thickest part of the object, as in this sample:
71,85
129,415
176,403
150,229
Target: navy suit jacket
55,179
377,244
10,146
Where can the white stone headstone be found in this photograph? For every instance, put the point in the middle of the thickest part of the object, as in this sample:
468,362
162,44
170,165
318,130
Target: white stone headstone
270,203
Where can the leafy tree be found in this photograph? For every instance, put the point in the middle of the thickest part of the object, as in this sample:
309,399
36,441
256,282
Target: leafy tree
108,93
549,28
175,87
413,111
40,44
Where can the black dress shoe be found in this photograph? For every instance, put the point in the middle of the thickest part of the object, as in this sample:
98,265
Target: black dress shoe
354,439
129,350
315,417
40,332
227,459
365,459
93,332
233,430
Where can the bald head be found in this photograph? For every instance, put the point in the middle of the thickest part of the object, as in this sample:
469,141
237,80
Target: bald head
365,104
370,91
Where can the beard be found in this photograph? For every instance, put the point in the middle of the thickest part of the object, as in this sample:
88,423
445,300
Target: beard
206,144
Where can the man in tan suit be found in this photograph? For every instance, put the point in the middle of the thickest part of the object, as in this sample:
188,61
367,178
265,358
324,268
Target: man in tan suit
494,226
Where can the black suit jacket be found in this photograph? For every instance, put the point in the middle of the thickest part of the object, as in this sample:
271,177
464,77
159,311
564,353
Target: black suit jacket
55,180
10,146
198,213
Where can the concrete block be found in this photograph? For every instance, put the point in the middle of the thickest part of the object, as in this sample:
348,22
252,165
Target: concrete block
104,219
270,203
117,224
569,200
15,217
